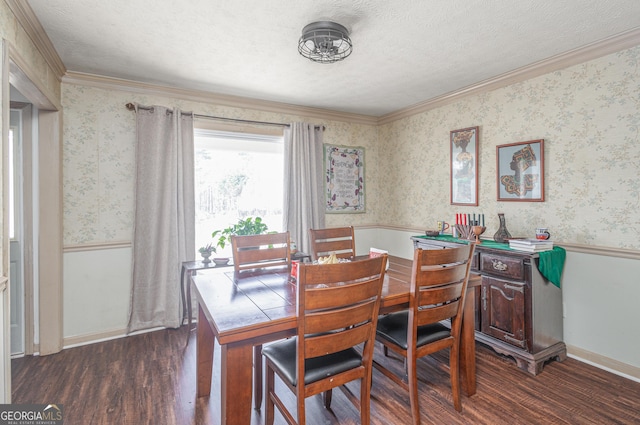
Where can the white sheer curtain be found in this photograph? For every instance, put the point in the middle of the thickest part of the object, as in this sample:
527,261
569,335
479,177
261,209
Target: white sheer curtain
164,229
303,182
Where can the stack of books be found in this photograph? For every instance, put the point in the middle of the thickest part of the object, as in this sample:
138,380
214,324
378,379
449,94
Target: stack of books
530,245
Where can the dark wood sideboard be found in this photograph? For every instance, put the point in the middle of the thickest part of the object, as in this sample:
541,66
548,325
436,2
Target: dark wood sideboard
518,312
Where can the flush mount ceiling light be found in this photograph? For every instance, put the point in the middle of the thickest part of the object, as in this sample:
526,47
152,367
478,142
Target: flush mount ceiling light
325,42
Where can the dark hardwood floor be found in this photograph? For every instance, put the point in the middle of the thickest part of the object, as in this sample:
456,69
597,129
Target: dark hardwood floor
150,379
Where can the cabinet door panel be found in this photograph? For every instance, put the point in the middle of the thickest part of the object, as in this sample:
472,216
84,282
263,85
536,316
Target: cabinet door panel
503,310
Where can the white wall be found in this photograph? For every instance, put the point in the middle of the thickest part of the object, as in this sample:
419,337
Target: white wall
396,242
600,294
97,286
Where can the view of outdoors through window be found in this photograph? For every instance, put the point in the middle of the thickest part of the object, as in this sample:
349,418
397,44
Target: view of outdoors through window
236,176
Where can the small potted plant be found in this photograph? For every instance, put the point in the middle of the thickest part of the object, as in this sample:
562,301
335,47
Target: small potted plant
206,251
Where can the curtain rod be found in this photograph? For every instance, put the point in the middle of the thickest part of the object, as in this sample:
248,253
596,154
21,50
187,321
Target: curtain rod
132,107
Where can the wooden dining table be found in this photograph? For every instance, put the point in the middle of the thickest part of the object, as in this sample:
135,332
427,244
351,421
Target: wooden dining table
257,307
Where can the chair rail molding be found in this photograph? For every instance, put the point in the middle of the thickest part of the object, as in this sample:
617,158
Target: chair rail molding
632,254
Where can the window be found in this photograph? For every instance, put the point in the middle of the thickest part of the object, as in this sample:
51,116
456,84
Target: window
237,175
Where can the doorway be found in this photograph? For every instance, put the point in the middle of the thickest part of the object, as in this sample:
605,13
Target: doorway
41,238
23,124
16,229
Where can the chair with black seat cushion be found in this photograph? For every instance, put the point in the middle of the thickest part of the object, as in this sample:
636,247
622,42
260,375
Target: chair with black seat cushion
266,251
438,288
338,240
337,313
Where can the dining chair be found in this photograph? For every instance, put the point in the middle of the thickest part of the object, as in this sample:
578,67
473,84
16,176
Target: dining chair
438,288
250,252
340,240
337,313
260,251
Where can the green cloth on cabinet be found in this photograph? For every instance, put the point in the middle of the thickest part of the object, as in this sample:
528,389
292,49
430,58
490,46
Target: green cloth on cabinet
551,264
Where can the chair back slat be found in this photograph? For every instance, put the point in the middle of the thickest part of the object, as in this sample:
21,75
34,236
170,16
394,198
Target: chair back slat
442,275
437,313
262,254
334,295
339,240
326,321
340,247
439,294
316,346
438,257
261,251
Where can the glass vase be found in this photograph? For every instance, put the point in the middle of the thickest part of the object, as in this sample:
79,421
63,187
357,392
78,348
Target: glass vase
502,235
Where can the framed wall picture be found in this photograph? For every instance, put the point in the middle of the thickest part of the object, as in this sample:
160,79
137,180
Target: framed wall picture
344,179
464,166
520,171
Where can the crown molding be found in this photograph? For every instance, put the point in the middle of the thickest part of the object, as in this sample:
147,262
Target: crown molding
22,77
583,54
30,23
110,83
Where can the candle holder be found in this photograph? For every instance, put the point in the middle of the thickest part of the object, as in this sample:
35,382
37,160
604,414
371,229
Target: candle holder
464,230
477,231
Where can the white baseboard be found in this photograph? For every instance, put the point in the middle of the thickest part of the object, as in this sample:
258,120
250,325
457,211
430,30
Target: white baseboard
614,366
79,340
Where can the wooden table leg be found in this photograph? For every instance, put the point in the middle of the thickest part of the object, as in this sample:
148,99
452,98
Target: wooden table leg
468,345
236,379
257,376
204,354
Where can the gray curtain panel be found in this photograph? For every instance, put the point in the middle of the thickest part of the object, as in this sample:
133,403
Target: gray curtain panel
164,228
303,182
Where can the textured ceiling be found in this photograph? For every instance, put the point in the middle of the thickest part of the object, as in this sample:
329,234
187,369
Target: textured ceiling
405,51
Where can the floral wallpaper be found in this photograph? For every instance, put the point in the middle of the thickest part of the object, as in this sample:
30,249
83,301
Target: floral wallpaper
98,166
588,116
99,155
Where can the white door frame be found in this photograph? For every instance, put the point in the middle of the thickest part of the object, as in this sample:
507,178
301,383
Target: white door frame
48,248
